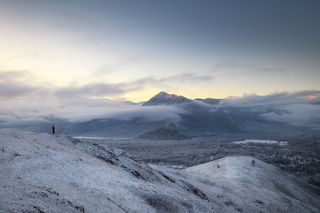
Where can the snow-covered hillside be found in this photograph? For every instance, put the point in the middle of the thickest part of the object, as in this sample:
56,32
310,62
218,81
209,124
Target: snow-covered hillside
45,173
253,188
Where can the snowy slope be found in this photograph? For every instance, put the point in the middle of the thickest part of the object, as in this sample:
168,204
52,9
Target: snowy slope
45,173
244,187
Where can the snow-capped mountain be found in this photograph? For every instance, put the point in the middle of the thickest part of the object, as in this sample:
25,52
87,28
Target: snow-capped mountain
164,98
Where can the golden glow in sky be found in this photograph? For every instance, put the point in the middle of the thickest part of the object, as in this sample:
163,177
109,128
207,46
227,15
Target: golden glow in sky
92,48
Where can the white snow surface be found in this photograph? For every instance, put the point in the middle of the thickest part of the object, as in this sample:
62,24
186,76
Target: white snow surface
248,188
46,173
246,141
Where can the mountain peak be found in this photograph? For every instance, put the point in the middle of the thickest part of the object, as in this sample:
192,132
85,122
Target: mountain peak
162,93
163,98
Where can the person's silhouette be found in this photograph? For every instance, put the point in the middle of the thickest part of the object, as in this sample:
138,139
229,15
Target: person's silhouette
53,129
253,162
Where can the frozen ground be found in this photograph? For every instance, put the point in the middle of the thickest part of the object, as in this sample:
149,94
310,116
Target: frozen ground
281,143
45,173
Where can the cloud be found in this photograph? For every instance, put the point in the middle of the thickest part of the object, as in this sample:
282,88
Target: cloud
21,83
84,110
113,90
180,78
282,98
241,67
10,89
189,77
17,83
106,69
295,108
89,90
296,114
7,120
150,113
271,69
11,75
232,65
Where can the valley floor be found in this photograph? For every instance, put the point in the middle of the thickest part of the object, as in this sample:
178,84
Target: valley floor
300,156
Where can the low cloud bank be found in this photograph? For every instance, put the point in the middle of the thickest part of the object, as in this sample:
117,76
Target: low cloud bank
150,113
299,108
83,109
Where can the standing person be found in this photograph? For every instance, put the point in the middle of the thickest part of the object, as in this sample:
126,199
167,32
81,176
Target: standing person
53,129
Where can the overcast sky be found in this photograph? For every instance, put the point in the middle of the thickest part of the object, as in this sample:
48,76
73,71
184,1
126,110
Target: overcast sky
98,51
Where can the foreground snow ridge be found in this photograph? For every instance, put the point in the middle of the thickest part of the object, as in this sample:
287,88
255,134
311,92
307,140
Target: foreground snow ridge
45,173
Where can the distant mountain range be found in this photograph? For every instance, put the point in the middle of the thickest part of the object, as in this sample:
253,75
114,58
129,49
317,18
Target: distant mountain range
173,117
198,117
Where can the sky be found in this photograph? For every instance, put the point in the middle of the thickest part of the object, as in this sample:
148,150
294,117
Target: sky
95,51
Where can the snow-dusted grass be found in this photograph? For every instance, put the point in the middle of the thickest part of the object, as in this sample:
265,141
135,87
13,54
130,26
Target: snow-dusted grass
246,141
46,173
